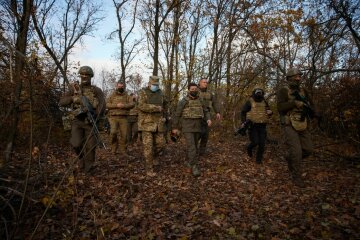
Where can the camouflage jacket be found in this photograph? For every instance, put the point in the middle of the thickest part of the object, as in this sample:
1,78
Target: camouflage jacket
187,124
286,102
116,98
151,118
94,95
210,101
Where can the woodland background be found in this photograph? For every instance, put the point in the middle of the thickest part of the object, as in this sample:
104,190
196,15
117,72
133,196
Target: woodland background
237,45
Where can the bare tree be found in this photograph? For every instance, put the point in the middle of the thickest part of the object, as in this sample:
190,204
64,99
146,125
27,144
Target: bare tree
195,32
216,16
21,14
77,19
127,50
348,11
153,17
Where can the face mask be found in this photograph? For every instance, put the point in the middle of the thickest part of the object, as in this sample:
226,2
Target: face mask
258,96
294,84
120,90
194,94
154,88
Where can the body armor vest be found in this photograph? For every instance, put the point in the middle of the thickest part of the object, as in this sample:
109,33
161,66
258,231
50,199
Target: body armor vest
257,114
193,109
119,98
206,98
154,97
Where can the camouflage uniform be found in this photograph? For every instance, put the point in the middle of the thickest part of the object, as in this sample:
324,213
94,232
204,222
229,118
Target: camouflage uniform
211,103
152,106
118,120
189,116
132,135
297,137
82,134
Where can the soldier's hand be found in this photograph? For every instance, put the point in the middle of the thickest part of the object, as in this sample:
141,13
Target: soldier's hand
75,86
269,112
120,105
299,104
218,116
208,123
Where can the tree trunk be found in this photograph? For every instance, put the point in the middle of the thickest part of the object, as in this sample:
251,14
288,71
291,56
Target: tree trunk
21,44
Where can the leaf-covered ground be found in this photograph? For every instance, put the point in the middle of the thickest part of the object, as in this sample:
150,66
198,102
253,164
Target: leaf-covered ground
234,198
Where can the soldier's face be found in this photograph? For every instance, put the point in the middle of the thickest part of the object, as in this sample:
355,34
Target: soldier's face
294,81
297,78
193,91
120,87
85,79
203,83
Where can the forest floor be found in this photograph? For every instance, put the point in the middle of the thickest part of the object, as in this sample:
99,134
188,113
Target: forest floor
234,198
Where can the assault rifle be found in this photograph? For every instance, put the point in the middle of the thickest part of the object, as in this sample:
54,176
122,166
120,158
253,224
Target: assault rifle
242,130
91,116
307,111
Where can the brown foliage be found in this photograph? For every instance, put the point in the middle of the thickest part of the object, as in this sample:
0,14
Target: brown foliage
339,104
233,199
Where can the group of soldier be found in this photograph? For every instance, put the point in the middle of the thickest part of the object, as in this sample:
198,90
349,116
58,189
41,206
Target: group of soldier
149,111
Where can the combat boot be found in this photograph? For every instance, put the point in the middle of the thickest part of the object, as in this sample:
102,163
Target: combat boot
195,171
149,168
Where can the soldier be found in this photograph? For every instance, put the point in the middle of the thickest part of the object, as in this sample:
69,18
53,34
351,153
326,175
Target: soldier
119,105
210,102
191,111
152,116
83,138
257,111
132,122
295,126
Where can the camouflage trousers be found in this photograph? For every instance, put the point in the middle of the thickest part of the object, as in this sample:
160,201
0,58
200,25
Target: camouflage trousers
153,143
84,143
118,133
192,143
299,145
132,134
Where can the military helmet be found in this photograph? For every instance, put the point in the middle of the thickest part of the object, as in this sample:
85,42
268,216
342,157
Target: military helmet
293,72
86,70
